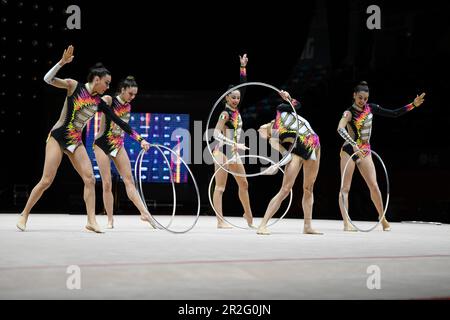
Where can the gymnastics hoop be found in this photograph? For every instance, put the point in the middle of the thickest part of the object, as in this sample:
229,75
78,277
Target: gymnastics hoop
223,218
196,188
248,175
138,181
387,191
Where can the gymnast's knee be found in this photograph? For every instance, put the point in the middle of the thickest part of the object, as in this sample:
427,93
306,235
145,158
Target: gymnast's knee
219,189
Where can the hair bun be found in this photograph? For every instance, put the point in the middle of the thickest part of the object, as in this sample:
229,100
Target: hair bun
98,70
98,65
362,86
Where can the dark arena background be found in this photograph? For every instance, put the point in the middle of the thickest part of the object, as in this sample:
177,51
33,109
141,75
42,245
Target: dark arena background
184,55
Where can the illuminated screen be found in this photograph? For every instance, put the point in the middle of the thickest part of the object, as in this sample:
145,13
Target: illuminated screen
156,128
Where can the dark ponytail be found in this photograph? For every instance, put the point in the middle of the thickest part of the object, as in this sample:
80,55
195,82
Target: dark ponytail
98,70
362,86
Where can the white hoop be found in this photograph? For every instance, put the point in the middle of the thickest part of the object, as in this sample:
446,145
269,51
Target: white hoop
138,182
247,175
222,217
196,188
387,191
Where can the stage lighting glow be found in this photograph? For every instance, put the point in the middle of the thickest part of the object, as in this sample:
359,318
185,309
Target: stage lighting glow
153,167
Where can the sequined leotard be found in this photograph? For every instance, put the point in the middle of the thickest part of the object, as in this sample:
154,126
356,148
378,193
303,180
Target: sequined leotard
233,124
111,136
78,109
287,125
359,129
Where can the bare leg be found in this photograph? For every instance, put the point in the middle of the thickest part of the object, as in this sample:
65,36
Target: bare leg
82,164
123,165
221,182
292,170
53,157
310,171
104,165
345,189
243,192
367,169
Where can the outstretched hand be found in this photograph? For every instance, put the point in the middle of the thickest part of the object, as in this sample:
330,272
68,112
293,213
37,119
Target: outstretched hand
106,98
285,95
67,55
244,60
240,146
145,145
419,100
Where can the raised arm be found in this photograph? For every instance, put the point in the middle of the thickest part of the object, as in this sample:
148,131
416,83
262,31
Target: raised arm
104,106
243,74
287,97
51,79
376,109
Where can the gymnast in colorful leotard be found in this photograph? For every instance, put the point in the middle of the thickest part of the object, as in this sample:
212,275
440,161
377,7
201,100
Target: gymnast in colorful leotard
355,127
82,102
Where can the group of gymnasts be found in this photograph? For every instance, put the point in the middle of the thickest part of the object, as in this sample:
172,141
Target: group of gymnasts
287,132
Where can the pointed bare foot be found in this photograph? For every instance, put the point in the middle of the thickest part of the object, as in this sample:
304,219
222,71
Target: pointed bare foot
386,226
223,225
263,231
309,230
93,227
349,228
249,219
147,218
110,225
22,223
